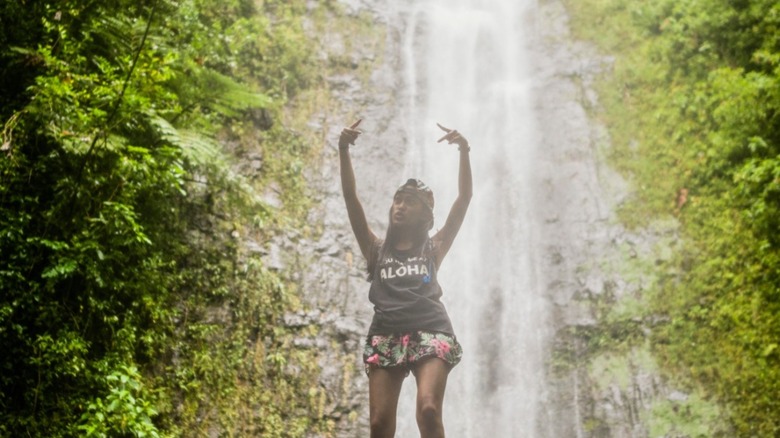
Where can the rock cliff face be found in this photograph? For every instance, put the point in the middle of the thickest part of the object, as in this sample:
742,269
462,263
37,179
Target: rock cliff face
589,265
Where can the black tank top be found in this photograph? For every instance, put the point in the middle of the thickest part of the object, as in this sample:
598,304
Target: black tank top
405,294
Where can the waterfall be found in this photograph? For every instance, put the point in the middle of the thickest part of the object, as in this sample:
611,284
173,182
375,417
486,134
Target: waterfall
466,66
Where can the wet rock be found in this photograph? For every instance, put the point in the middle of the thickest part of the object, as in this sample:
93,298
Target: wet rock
254,248
274,258
310,343
302,319
271,196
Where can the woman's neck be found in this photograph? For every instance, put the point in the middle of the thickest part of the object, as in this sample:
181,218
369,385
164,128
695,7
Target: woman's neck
404,244
407,241
406,238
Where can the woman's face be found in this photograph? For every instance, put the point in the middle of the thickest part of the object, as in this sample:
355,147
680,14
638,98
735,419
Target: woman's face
407,210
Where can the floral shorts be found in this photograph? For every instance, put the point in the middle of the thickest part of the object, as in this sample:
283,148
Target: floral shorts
406,349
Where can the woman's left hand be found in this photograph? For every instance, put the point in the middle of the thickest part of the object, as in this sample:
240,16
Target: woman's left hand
453,136
349,135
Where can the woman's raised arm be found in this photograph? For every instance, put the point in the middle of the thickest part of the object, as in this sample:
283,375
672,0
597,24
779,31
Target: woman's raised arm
357,217
444,238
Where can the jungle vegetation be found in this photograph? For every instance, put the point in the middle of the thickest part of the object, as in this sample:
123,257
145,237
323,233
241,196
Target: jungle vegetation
128,306
692,104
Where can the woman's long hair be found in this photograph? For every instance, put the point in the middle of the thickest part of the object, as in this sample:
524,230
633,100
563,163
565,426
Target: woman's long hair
382,248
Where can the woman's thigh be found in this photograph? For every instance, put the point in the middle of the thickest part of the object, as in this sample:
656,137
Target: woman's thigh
384,387
431,375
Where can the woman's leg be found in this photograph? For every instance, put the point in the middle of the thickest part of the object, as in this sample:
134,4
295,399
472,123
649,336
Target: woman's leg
384,387
431,375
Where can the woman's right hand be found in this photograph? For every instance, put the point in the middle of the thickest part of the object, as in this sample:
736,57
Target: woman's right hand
349,135
453,136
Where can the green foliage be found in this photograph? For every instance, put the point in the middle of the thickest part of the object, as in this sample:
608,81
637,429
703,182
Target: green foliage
123,411
690,417
692,107
127,305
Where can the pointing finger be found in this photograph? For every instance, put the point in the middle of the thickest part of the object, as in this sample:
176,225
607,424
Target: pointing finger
450,136
447,130
355,125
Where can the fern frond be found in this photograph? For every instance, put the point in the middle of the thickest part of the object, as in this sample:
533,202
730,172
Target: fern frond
115,35
228,96
196,147
205,155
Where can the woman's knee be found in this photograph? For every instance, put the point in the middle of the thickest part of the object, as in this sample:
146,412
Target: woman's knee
429,411
382,426
382,420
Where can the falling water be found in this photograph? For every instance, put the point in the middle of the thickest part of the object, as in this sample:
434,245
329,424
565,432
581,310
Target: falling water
467,67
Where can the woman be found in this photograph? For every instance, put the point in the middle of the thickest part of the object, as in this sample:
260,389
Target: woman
410,331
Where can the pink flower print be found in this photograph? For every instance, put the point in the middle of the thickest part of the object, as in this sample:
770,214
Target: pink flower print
373,359
441,347
405,340
375,341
